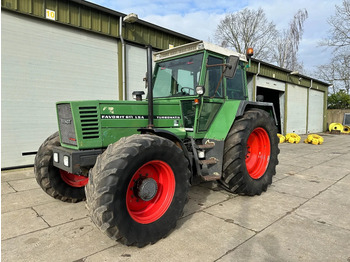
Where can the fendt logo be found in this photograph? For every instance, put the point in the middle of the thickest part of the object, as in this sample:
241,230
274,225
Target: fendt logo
66,121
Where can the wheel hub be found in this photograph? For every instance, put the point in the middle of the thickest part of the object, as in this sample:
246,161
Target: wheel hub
150,191
147,189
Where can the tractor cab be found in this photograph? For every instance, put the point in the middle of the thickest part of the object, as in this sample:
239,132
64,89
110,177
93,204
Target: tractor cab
201,72
203,76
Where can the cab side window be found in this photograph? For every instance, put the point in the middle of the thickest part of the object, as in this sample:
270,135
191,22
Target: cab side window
236,85
213,85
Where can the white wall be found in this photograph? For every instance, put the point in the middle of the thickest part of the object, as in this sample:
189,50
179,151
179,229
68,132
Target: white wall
42,63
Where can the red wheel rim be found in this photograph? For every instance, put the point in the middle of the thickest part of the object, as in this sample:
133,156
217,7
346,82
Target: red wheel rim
73,180
146,212
258,153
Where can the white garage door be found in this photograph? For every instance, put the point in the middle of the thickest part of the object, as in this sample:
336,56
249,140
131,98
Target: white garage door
296,109
270,83
316,103
42,63
136,68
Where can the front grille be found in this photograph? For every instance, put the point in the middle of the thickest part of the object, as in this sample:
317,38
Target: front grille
66,124
89,122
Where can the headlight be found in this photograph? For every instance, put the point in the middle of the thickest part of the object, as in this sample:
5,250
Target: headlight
55,157
66,160
200,90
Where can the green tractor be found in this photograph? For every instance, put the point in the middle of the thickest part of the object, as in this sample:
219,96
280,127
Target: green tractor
134,161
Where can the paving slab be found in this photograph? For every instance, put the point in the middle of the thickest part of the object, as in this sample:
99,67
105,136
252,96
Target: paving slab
309,160
300,187
17,174
23,184
57,212
67,242
20,222
200,237
201,198
24,199
331,207
324,172
288,169
342,160
294,238
258,212
6,188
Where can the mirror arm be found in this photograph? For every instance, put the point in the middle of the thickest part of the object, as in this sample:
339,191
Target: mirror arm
216,65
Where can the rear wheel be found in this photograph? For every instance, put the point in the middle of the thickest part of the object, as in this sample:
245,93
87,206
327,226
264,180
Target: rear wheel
138,189
250,153
55,182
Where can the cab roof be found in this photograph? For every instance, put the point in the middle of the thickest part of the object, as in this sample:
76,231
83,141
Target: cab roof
196,46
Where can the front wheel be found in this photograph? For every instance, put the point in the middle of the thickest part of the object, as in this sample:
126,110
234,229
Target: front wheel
138,188
250,153
55,182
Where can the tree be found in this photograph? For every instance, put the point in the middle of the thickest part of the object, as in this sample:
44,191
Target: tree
340,26
327,73
337,71
247,28
250,28
287,43
339,100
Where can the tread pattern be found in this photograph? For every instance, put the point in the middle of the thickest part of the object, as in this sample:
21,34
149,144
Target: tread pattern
48,176
235,176
108,178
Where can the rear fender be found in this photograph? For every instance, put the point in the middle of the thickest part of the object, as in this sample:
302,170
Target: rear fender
268,107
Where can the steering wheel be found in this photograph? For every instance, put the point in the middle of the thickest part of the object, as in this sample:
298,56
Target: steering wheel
189,89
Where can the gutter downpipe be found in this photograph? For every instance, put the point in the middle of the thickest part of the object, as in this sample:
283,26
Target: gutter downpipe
308,108
123,55
150,87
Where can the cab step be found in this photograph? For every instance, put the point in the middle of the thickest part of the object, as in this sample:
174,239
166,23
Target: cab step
207,145
212,177
210,161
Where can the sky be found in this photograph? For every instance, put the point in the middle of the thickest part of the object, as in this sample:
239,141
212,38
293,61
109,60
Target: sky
199,19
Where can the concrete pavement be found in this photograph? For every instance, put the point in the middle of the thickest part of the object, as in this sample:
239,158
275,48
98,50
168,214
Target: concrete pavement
304,216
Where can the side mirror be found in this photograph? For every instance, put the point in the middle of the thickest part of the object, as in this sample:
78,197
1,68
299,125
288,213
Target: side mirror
231,66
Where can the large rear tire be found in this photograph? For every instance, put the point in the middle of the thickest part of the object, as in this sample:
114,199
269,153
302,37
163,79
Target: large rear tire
250,153
138,188
55,182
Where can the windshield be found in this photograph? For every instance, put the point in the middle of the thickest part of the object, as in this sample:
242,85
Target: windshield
177,77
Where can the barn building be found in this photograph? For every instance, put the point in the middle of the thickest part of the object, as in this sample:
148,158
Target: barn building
57,50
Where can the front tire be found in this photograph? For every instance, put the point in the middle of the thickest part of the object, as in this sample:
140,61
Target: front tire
138,188
250,153
55,182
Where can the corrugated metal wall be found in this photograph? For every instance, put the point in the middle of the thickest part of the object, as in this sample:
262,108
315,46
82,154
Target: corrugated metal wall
281,74
100,20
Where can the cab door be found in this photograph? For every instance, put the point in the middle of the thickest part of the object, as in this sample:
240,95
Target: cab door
214,95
